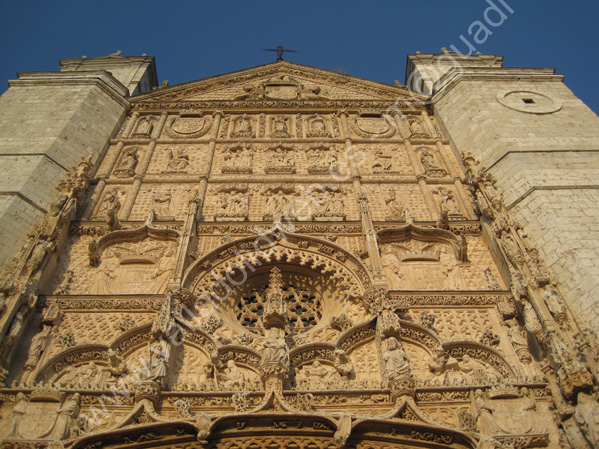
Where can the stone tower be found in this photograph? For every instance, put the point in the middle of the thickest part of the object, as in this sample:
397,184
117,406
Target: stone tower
286,256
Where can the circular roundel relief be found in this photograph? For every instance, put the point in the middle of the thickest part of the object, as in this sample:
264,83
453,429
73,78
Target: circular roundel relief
529,102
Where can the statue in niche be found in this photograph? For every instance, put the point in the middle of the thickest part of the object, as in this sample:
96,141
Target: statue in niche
91,375
66,414
112,220
528,417
396,361
178,161
275,349
230,158
157,362
382,162
391,267
416,128
163,271
428,161
18,415
329,205
110,202
512,250
455,278
448,202
245,157
587,417
322,161
37,347
518,337
282,159
239,204
118,366
315,374
395,207
245,124
474,371
485,420
233,204
554,301
207,377
437,362
330,158
162,204
271,204
343,364
318,126
105,273
129,160
144,127
68,376
233,378
334,206
280,127
42,248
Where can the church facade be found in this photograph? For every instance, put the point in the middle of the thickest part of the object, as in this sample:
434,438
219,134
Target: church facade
290,257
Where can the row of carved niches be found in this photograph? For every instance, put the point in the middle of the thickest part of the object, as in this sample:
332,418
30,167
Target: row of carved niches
279,158
365,125
216,357
510,414
294,201
240,202
434,265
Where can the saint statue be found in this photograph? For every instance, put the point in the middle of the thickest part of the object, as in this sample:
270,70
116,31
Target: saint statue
587,417
275,349
145,125
233,378
428,161
178,161
396,361
129,160
245,124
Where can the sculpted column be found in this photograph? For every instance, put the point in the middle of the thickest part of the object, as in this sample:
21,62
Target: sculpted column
274,365
350,151
459,187
205,174
369,233
132,195
110,163
428,198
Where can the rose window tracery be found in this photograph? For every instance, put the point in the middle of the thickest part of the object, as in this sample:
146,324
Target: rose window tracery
303,307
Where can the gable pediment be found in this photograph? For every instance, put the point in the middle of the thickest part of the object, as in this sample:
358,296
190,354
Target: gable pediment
280,81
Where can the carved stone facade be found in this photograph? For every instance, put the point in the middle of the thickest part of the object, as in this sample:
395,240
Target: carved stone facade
288,257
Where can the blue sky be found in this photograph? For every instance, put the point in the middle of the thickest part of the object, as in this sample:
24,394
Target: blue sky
369,39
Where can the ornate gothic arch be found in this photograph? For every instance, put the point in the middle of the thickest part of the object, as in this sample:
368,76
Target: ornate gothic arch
424,234
407,429
231,260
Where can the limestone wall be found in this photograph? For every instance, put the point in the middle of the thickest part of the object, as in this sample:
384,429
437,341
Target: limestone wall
48,122
541,143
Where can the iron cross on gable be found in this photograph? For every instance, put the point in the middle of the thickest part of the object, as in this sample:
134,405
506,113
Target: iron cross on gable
280,51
